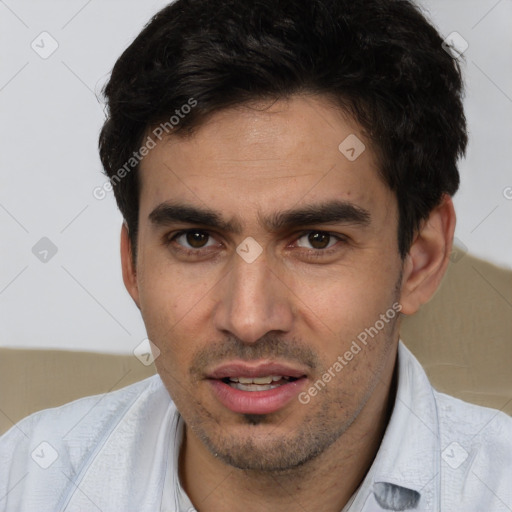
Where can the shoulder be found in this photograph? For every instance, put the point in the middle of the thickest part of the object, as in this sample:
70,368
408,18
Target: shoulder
472,444
83,415
473,424
476,454
58,441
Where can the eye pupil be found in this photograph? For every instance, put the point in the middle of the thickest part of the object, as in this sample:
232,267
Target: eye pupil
196,239
318,240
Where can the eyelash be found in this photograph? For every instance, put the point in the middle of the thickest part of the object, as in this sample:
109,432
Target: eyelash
313,253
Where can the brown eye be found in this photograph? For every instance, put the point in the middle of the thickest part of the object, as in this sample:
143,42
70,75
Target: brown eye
317,240
194,239
197,239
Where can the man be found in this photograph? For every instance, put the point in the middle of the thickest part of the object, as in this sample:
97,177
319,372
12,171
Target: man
285,172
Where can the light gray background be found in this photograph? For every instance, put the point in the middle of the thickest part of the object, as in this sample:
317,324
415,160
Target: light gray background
50,120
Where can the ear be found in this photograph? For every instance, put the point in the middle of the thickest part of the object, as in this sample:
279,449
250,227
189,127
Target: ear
428,257
129,269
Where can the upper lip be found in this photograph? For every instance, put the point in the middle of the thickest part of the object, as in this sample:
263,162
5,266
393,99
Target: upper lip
254,369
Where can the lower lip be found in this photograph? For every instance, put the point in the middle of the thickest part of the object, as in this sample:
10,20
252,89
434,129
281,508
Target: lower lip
256,402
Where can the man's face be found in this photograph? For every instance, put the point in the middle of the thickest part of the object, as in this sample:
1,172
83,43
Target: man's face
328,269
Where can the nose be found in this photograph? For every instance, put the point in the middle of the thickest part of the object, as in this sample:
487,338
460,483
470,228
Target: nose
253,302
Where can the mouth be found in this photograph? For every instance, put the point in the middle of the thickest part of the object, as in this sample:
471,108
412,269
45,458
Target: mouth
258,383
257,388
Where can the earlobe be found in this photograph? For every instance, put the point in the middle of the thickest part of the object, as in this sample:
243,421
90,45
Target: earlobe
428,257
128,266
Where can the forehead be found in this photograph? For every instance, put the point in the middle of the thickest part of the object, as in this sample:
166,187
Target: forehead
265,156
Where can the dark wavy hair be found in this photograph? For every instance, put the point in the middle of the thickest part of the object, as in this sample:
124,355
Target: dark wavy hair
379,60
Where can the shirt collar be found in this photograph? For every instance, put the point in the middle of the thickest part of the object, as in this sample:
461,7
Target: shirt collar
407,465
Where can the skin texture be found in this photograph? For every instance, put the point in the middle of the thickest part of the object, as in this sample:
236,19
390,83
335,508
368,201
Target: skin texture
295,304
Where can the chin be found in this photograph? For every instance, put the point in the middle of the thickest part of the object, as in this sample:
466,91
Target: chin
256,447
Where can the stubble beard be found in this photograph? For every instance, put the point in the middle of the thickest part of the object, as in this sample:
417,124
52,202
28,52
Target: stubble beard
261,449
318,431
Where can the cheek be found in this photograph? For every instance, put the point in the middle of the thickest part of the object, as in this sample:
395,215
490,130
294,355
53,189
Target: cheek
347,299
168,292
167,307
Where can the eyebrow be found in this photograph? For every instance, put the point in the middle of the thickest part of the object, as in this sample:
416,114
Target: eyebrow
324,213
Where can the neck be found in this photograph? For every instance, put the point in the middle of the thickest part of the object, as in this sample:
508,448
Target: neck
325,483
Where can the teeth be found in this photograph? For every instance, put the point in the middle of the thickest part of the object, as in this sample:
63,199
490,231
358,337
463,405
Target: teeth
257,380
262,380
245,380
253,387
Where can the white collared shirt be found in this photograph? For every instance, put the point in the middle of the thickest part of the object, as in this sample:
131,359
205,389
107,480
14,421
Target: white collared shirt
120,451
